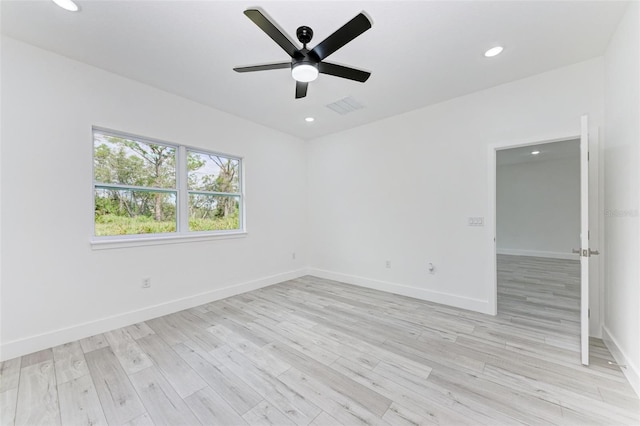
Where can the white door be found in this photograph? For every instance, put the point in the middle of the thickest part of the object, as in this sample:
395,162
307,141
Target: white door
584,250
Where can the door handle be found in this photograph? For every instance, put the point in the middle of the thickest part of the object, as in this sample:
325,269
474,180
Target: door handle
585,253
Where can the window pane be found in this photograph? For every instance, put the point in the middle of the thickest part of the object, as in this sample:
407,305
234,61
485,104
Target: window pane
129,162
126,212
213,212
210,172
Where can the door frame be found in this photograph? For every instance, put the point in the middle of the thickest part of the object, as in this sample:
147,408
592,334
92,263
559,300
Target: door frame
594,212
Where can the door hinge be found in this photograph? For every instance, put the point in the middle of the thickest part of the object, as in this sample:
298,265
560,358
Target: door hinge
589,313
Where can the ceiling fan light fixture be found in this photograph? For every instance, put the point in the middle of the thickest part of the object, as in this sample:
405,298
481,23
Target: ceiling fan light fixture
67,5
304,72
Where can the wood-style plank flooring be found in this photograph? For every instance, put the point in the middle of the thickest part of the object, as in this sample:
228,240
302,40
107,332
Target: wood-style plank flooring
544,293
316,352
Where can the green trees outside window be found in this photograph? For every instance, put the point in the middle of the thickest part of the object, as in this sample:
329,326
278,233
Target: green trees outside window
137,188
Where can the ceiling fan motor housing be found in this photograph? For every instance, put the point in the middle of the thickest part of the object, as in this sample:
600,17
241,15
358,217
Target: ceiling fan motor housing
304,34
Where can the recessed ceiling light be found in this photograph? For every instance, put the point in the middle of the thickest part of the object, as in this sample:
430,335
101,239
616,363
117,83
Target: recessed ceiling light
309,119
535,152
67,5
493,51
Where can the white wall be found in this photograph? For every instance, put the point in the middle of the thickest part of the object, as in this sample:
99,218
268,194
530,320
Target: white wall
622,195
538,207
401,189
55,288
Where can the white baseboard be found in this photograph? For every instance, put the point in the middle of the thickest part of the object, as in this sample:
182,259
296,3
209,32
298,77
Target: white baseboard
27,345
477,305
538,253
631,372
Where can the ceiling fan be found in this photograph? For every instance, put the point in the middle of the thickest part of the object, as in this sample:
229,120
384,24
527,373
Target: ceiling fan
305,64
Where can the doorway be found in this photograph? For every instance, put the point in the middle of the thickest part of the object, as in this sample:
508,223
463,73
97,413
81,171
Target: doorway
590,225
537,226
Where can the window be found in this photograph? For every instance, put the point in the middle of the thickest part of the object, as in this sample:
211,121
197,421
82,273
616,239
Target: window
214,191
143,187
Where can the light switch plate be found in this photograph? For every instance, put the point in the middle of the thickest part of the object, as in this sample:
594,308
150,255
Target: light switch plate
476,221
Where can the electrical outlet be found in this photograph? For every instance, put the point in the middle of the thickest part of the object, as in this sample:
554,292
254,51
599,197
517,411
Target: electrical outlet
387,264
146,282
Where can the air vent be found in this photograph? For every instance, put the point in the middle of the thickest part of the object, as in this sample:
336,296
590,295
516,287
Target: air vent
345,105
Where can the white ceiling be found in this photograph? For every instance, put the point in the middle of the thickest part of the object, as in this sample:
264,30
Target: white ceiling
419,52
548,151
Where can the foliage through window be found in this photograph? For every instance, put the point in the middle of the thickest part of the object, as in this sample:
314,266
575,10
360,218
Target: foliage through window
147,187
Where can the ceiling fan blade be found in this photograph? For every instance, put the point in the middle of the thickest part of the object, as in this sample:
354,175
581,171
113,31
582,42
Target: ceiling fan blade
301,89
264,67
342,36
344,72
272,31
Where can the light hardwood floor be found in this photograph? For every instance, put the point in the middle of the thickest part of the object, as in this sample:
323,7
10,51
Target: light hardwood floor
318,352
544,293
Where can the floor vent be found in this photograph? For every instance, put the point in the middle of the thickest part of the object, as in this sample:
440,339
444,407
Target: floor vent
345,105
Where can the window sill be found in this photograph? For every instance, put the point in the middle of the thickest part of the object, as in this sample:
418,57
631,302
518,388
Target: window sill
138,241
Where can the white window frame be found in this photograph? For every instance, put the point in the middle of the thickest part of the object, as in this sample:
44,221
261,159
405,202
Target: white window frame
182,233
